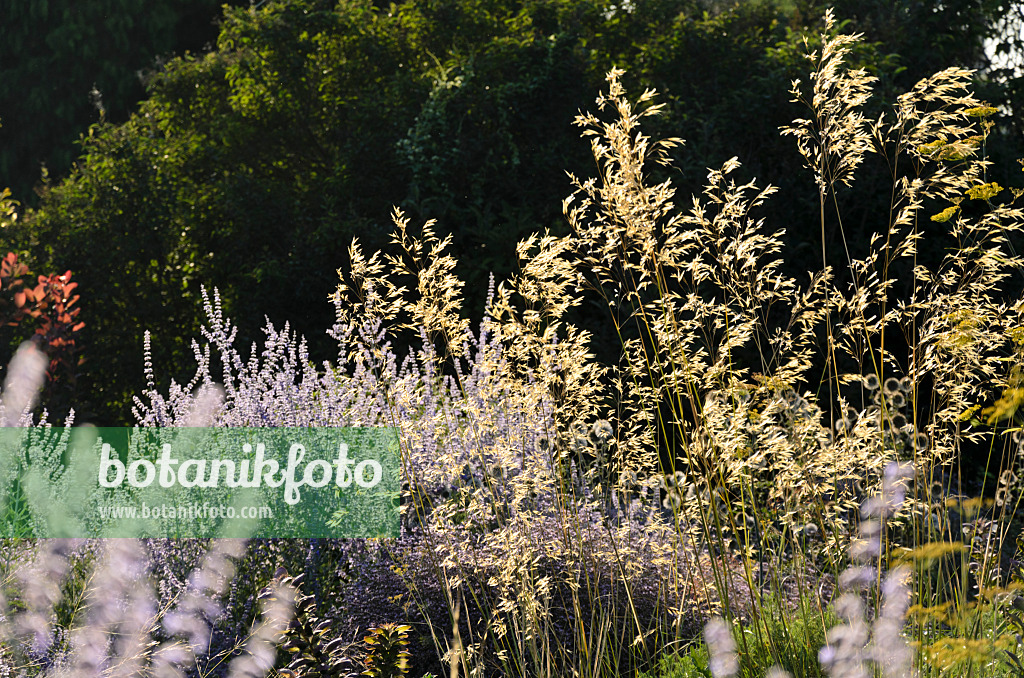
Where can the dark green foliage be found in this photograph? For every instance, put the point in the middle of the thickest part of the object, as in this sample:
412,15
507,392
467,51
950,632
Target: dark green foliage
246,169
252,167
313,653
62,62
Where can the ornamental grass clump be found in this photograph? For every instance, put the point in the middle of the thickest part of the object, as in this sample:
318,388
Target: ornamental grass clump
575,517
861,644
561,516
503,510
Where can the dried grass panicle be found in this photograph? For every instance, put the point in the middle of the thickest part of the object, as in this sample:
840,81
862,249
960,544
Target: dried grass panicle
276,612
721,649
836,139
537,507
502,505
485,424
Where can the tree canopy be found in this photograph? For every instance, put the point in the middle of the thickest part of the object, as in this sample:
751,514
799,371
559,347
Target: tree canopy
64,64
251,167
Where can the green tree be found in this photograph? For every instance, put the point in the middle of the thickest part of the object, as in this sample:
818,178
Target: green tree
62,62
251,168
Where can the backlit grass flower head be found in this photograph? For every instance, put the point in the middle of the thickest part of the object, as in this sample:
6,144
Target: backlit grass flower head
835,139
539,511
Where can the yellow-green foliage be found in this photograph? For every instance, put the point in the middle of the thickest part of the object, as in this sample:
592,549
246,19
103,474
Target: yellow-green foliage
387,656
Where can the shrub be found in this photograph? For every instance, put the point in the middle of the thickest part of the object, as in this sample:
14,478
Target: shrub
543,525
49,308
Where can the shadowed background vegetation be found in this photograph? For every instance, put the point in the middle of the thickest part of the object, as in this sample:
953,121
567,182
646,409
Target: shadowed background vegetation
250,166
751,439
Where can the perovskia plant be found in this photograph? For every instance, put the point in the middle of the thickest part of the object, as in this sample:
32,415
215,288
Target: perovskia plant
542,532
